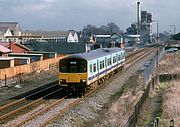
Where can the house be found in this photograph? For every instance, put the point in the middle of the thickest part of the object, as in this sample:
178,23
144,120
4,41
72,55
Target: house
4,51
13,27
108,41
15,47
54,36
72,36
4,32
9,30
131,40
6,62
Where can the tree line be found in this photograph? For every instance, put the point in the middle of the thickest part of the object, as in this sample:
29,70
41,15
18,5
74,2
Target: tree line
109,28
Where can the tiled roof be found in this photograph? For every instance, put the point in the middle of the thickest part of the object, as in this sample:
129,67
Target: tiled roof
4,49
72,32
3,29
10,25
5,44
48,34
22,46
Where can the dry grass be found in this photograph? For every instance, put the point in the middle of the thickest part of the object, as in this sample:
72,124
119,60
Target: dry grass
126,102
171,105
169,64
171,100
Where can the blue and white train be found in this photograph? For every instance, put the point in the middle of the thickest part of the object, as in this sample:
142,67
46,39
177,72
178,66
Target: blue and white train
86,70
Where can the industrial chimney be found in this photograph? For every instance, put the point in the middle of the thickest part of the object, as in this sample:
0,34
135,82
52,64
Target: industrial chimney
138,17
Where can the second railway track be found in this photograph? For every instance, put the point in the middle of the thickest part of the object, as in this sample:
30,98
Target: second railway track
15,108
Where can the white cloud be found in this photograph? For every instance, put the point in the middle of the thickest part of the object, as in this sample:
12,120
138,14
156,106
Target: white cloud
49,1
78,13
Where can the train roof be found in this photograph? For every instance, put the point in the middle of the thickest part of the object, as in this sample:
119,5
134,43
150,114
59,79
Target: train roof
96,53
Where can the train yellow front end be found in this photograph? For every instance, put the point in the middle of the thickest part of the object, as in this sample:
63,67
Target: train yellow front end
73,73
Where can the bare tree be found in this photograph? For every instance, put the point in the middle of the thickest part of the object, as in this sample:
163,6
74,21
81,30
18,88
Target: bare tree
113,28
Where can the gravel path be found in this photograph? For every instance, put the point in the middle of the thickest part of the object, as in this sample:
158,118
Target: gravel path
49,114
94,110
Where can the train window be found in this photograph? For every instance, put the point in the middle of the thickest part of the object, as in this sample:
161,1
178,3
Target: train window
62,66
90,67
82,66
109,62
102,64
73,66
114,59
119,57
72,69
94,67
122,54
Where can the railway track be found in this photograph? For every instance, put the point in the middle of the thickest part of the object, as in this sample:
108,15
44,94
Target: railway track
132,58
65,103
13,109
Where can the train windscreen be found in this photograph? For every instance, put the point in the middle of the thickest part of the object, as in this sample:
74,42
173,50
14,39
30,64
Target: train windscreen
73,66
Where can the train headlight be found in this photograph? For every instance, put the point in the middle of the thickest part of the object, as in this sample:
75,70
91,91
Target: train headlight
83,80
62,80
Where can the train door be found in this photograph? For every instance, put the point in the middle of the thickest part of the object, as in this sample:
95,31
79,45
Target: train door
106,63
98,68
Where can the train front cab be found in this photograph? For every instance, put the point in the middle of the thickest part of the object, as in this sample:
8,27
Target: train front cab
73,74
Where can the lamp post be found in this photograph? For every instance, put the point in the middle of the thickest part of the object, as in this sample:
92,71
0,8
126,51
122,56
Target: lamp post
174,28
157,38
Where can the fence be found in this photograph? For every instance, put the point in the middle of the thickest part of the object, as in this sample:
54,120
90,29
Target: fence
148,69
29,68
134,117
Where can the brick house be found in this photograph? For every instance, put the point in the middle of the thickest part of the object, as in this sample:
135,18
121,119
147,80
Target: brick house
15,47
4,51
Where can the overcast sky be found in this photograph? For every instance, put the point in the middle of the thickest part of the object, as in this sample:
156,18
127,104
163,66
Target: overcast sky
75,14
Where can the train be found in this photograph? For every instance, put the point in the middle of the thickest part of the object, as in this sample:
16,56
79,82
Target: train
83,71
